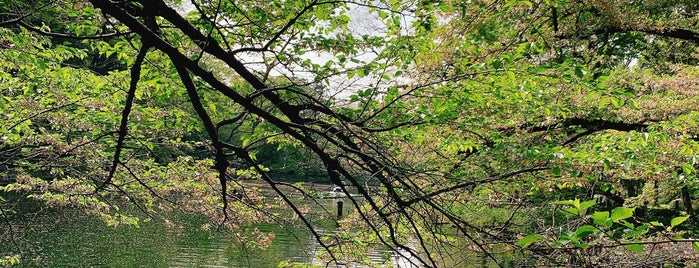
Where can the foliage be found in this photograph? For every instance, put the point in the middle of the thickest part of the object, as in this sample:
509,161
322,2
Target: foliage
605,229
430,112
10,260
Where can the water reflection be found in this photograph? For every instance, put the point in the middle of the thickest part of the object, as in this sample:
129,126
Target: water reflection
67,238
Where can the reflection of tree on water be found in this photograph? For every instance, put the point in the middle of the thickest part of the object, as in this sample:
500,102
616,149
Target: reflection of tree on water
384,256
66,237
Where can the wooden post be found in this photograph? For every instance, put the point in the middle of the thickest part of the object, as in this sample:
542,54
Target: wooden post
339,209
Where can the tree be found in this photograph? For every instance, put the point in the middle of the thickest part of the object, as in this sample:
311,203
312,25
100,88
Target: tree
450,110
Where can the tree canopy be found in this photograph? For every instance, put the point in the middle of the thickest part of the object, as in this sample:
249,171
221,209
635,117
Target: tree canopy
552,128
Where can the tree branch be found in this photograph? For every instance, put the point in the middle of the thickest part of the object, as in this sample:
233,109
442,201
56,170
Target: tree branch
276,36
475,182
220,155
69,36
590,124
123,126
678,33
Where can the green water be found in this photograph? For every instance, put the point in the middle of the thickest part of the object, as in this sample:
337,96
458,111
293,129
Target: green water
65,237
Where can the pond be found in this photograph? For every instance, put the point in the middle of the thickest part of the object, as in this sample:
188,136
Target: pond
65,237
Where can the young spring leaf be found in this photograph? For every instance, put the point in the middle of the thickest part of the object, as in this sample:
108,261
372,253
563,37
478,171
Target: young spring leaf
601,218
620,213
678,220
584,231
528,240
587,204
656,224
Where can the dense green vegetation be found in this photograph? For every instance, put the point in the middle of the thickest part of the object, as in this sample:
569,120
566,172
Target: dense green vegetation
566,131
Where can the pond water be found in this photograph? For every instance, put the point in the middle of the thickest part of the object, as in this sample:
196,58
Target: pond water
65,237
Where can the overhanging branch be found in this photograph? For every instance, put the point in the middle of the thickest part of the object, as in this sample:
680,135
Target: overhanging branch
220,155
678,33
589,126
474,183
123,126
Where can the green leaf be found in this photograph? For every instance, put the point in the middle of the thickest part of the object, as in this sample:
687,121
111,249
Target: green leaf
497,64
642,229
138,94
601,218
607,223
678,220
615,102
695,245
587,204
528,240
582,245
656,223
556,171
351,74
584,231
579,71
635,247
600,215
607,164
634,104
687,169
564,202
572,210
620,213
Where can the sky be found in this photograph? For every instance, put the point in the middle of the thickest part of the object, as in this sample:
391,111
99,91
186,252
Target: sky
362,22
